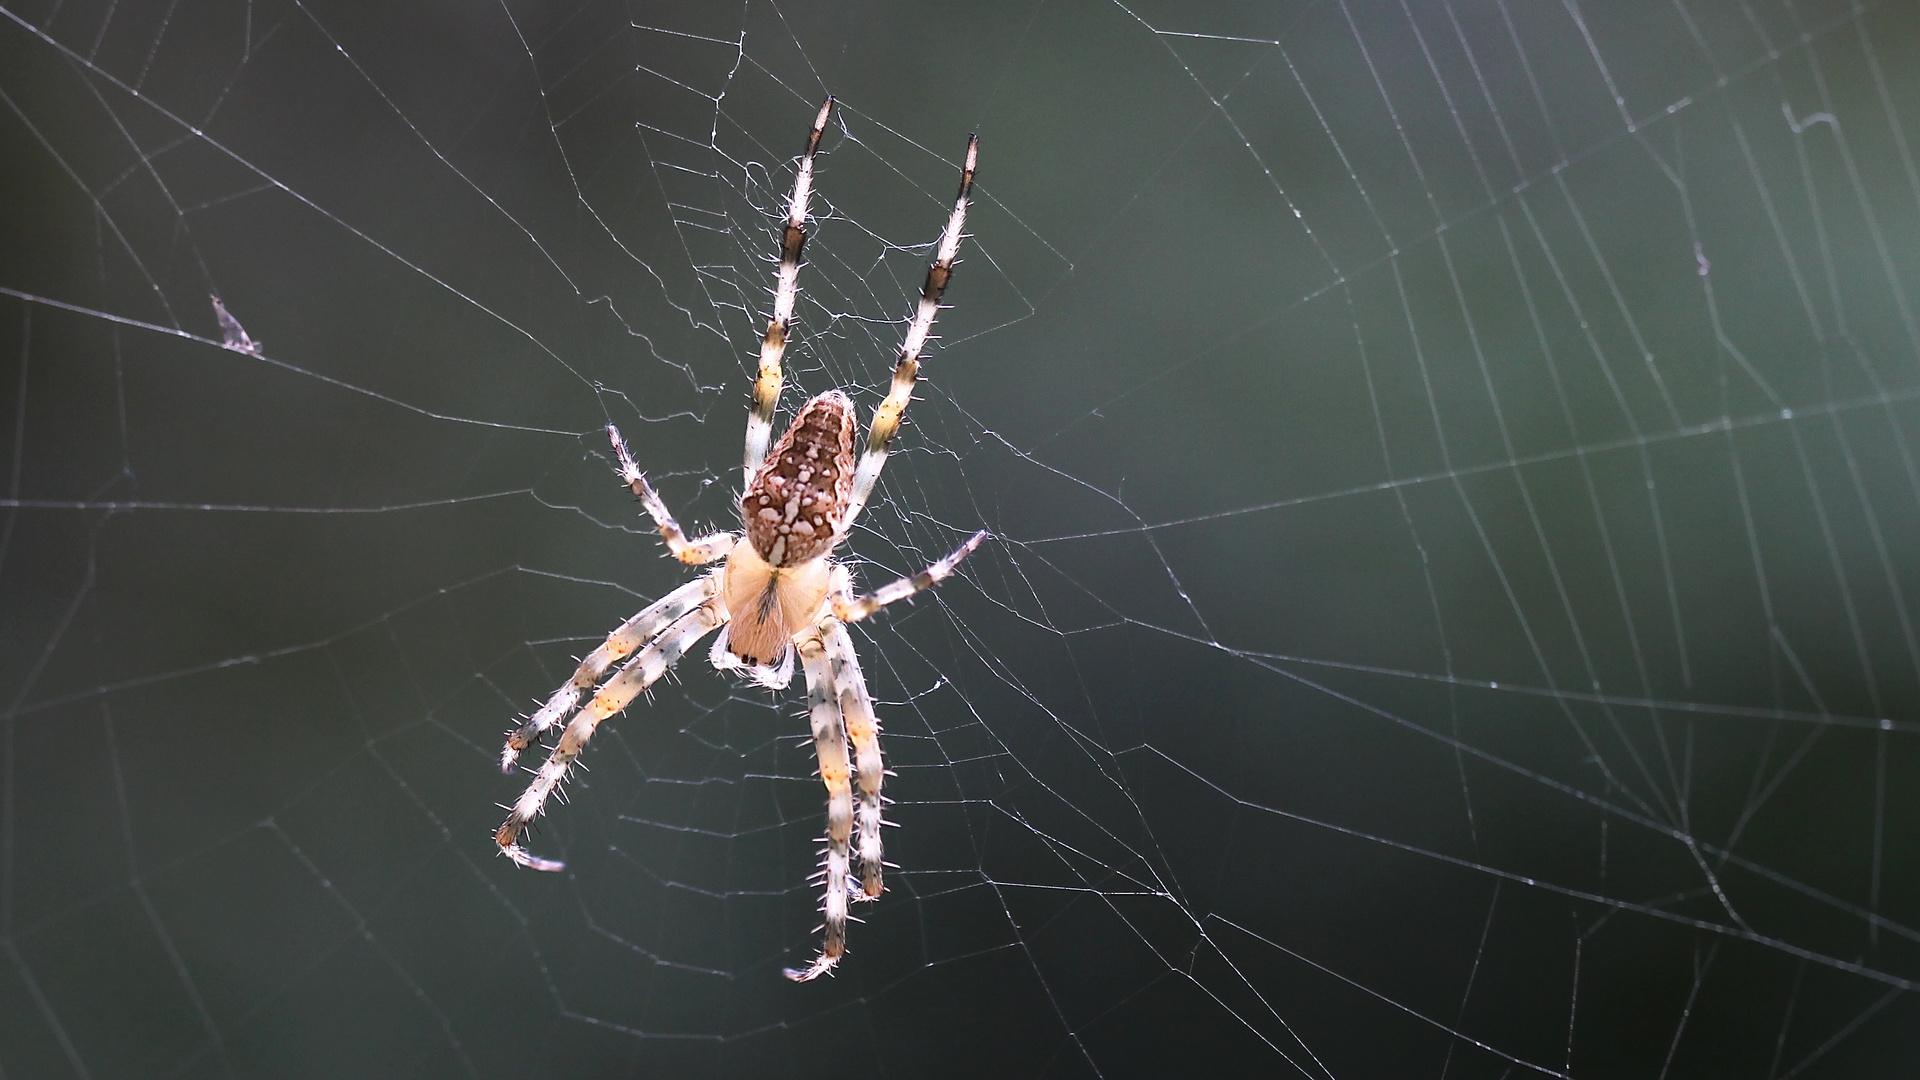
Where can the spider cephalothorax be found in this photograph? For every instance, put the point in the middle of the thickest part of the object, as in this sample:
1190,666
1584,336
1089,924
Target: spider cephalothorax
777,592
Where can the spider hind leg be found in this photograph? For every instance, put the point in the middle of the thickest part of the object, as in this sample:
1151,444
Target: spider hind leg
635,633
863,731
633,678
830,751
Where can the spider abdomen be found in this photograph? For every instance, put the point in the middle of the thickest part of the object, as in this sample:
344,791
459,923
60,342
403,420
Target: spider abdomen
792,508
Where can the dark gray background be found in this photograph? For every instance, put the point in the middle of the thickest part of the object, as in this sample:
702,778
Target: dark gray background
1452,610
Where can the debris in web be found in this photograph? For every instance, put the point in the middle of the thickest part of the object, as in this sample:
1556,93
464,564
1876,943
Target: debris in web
235,334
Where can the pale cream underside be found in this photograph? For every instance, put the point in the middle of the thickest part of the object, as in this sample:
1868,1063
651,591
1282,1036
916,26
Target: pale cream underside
766,607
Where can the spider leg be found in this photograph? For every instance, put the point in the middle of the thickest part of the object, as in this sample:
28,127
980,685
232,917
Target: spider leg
830,750
632,634
886,419
850,608
863,729
692,552
634,677
766,387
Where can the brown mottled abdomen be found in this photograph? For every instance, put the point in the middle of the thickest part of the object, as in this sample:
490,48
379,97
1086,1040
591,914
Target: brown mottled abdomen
794,504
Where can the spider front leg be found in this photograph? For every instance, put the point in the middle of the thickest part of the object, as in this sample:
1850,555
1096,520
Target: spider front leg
633,679
632,634
786,288
692,552
906,370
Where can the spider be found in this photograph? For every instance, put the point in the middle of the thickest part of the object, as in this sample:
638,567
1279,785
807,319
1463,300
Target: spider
777,590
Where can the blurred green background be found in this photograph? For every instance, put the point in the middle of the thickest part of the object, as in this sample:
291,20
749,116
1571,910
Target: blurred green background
1451,611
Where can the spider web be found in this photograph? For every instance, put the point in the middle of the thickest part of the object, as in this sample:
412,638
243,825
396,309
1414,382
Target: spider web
1452,469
